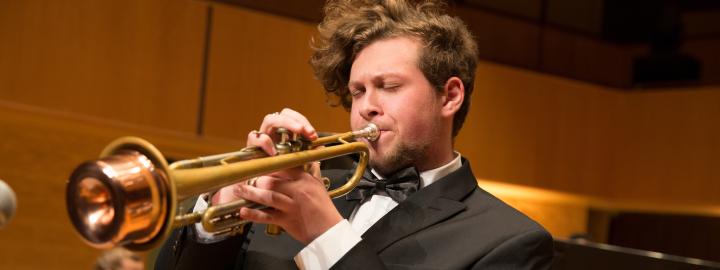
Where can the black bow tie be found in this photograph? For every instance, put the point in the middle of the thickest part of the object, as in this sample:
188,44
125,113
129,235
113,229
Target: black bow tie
399,186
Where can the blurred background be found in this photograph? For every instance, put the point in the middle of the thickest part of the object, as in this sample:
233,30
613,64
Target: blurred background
597,118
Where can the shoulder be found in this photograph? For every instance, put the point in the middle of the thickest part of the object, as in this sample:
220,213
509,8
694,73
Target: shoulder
510,237
507,231
503,219
484,208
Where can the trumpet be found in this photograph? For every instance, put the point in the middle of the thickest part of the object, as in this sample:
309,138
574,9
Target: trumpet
129,196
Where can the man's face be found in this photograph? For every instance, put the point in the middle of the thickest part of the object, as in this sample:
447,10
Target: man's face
391,91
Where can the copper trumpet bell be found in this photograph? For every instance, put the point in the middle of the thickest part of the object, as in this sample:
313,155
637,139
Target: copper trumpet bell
122,198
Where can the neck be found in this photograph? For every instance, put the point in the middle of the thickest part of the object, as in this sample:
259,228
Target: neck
435,159
440,152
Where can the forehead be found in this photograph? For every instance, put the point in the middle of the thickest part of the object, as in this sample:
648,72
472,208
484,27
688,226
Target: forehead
396,55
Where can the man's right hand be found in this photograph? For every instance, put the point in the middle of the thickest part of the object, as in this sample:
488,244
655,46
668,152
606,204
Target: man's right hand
265,138
297,199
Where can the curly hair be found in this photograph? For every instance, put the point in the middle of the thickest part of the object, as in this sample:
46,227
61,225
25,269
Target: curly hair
350,25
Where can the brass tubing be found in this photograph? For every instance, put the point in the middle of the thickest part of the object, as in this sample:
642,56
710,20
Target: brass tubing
191,182
216,212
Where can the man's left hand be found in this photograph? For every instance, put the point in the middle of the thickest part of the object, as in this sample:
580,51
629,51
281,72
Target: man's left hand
299,203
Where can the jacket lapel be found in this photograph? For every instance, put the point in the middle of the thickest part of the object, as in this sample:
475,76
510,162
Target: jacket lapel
345,206
426,207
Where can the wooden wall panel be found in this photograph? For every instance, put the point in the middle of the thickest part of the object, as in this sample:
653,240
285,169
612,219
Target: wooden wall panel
530,128
566,54
534,129
503,39
39,151
259,65
669,146
134,61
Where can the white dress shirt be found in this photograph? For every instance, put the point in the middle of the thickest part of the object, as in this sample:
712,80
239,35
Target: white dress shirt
328,248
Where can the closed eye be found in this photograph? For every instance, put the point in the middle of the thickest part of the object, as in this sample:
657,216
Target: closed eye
391,86
356,92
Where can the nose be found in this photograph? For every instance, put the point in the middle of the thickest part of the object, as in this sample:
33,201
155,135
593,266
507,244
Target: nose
370,105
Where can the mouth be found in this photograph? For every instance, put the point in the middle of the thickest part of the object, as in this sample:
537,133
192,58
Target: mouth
382,133
381,129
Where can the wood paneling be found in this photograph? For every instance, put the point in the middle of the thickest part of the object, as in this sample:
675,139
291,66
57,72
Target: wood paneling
545,131
135,61
668,147
567,55
307,10
39,150
259,65
529,128
503,39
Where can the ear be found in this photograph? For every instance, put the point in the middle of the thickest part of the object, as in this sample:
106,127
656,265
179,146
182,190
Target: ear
454,94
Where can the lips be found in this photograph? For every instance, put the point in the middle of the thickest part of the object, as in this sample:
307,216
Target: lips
381,128
382,136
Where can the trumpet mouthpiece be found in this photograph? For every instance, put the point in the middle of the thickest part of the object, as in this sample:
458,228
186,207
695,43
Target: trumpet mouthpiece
370,132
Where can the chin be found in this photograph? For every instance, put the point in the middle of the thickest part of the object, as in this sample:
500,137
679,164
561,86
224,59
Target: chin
389,161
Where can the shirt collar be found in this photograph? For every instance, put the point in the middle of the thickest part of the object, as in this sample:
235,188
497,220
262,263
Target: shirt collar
430,176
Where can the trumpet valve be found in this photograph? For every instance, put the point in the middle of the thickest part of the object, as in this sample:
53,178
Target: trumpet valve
273,230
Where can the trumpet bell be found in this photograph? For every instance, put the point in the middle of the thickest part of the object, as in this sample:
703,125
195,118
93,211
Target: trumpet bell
122,198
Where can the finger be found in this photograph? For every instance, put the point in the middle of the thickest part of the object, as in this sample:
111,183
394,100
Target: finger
224,195
265,197
263,141
290,174
276,120
309,130
266,216
315,169
287,182
264,182
273,121
291,182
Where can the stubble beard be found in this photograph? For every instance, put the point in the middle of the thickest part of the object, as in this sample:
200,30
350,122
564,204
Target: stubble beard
402,156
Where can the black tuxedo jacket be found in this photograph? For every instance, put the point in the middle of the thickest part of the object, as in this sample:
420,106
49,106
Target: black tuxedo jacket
451,224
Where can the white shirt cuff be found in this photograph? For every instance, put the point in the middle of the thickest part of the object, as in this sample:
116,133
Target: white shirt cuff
204,236
328,248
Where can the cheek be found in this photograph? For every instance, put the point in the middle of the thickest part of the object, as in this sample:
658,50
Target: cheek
421,119
418,130
355,118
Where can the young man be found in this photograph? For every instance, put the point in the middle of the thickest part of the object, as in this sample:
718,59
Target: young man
408,69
